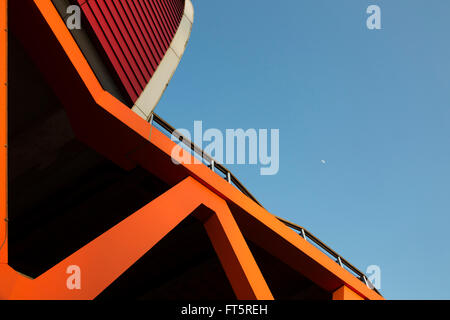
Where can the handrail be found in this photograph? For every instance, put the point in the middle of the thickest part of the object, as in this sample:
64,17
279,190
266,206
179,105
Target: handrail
213,165
210,160
304,233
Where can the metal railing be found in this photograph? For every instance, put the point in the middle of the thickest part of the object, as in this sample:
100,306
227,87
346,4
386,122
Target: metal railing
228,175
204,157
305,234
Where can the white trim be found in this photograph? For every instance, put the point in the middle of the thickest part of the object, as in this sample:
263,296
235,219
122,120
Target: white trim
158,83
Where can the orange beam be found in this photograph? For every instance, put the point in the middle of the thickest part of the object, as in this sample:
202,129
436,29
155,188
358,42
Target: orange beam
264,228
345,293
104,259
3,131
237,260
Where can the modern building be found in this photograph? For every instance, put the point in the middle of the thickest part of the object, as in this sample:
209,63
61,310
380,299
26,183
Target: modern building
91,203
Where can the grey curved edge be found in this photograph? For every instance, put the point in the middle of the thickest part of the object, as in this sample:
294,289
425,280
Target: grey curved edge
153,91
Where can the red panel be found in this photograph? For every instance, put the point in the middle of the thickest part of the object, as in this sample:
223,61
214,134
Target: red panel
111,41
151,35
173,11
124,46
169,13
137,38
179,8
150,21
164,15
135,35
110,52
150,11
140,57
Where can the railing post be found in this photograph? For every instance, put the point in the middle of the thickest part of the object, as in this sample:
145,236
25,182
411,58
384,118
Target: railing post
339,260
212,165
151,124
228,176
302,233
369,283
364,278
151,119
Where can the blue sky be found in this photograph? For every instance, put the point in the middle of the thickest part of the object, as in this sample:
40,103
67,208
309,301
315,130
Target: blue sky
375,104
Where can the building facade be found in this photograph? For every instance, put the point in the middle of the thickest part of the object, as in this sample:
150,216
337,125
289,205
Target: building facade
92,205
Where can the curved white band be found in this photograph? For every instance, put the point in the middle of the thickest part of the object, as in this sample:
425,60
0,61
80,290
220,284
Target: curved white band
155,88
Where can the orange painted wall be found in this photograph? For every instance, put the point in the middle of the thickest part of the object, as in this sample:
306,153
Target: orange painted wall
3,131
345,293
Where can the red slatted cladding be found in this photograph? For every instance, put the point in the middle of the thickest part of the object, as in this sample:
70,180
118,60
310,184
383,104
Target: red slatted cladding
135,35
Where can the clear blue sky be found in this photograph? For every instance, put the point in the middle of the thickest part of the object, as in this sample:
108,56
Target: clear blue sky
374,104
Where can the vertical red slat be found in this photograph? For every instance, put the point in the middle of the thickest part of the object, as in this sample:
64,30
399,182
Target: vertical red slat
165,14
152,16
137,38
171,14
133,46
135,35
151,25
117,49
150,35
174,9
179,6
122,73
161,24
166,17
121,43
177,13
